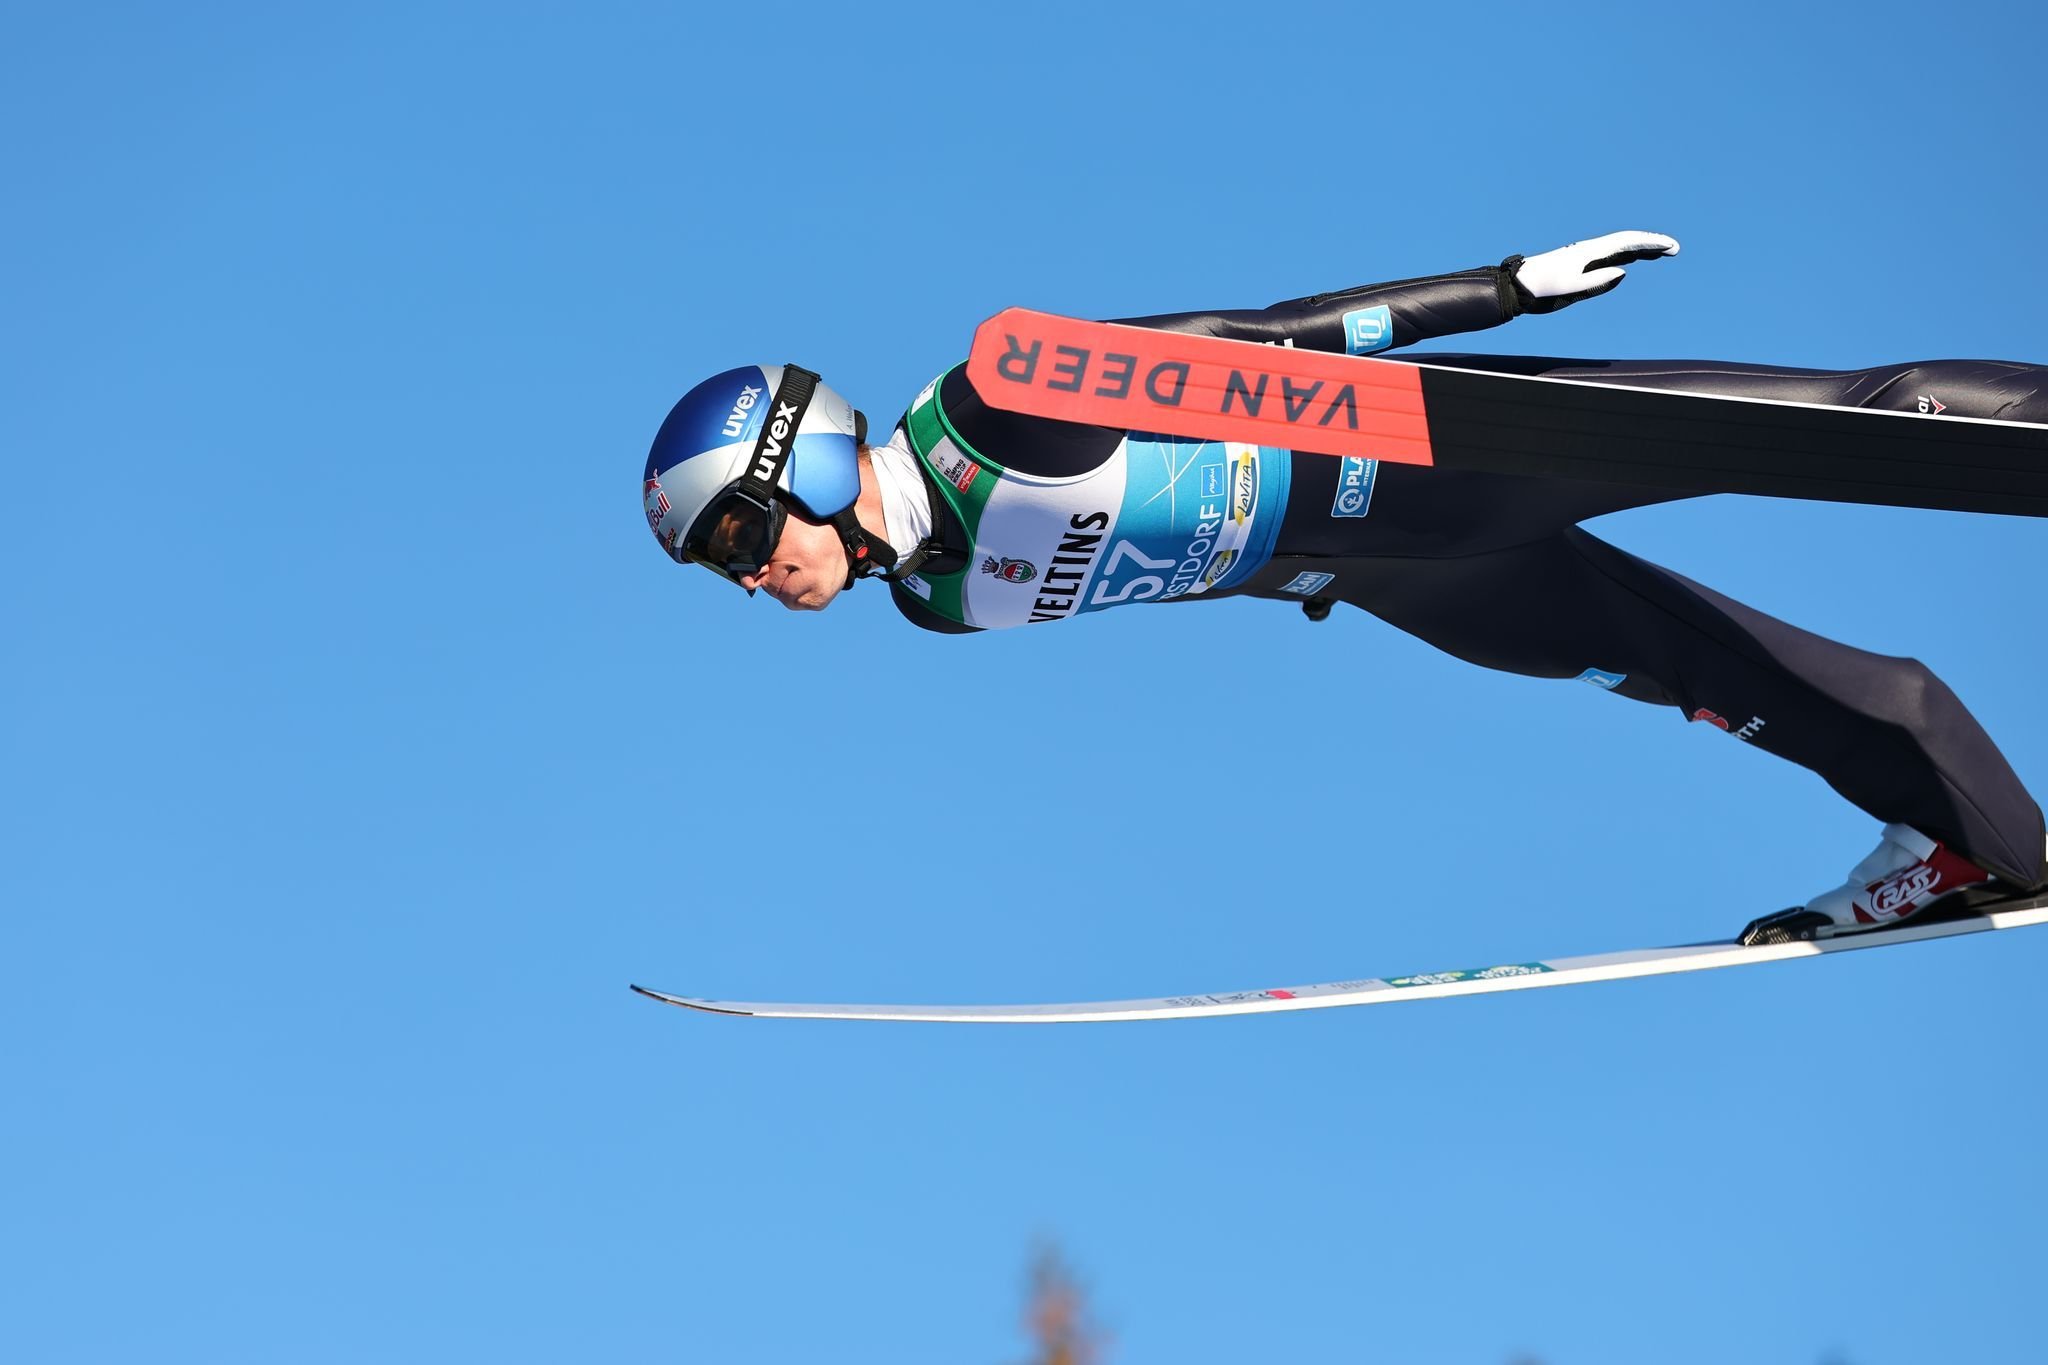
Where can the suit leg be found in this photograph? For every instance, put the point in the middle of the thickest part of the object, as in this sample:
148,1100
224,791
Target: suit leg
1884,732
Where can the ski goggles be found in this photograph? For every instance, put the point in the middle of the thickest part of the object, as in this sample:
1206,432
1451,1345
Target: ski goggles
736,534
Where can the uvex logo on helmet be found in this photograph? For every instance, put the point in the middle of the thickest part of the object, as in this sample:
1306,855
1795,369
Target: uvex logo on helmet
736,420
771,449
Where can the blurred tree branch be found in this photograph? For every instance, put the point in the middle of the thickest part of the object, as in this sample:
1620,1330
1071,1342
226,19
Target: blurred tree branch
1056,1314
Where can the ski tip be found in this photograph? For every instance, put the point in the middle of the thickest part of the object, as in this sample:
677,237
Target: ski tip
686,1002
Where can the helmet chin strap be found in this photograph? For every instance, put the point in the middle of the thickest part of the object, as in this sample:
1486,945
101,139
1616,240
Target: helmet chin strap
869,555
865,554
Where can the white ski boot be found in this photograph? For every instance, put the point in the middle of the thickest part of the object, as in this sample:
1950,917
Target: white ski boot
1906,873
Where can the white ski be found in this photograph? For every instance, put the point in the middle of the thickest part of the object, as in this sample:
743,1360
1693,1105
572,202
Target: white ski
1511,976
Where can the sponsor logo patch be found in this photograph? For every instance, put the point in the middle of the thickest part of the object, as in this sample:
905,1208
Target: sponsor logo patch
1746,731
1009,570
1368,329
1244,495
1072,560
1355,478
1600,677
955,468
918,586
657,503
1218,567
1308,584
1897,894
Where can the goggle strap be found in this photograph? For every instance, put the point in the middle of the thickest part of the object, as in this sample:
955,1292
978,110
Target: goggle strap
764,471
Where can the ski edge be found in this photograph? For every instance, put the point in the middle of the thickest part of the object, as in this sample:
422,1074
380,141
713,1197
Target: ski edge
1562,971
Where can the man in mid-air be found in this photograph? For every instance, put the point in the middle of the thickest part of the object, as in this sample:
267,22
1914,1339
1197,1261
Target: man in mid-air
979,518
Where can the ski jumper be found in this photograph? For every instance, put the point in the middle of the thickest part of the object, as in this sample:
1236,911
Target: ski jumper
1035,521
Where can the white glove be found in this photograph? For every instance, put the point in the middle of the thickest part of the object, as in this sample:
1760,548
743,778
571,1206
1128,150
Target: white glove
1562,277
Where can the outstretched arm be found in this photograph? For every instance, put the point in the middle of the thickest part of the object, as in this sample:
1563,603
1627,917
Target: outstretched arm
1379,317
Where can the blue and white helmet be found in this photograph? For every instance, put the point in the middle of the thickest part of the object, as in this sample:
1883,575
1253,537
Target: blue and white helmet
709,439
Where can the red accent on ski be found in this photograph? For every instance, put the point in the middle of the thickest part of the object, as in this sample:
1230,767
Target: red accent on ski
1279,995
1137,379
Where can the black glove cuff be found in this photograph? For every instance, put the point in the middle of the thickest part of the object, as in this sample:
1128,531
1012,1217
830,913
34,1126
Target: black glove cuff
1514,301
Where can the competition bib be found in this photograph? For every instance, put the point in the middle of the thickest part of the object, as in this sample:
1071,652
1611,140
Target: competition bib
1162,518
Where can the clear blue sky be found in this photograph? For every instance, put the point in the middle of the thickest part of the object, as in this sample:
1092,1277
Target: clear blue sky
361,746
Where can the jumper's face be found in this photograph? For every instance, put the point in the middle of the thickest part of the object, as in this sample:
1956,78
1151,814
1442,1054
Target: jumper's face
807,568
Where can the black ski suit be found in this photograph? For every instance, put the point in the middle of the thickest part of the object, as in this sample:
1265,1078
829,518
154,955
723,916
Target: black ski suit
1494,569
